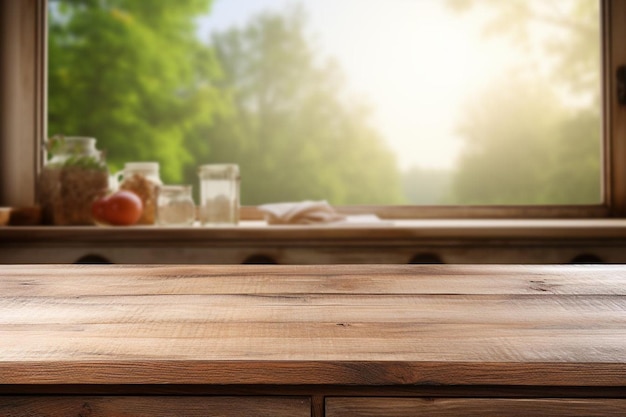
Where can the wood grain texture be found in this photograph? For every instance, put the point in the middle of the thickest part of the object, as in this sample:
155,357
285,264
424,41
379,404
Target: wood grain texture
485,407
344,324
354,280
125,406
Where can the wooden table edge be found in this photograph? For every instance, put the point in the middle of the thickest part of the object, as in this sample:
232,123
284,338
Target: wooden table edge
313,372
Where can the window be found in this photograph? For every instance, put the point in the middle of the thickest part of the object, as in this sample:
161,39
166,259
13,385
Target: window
587,187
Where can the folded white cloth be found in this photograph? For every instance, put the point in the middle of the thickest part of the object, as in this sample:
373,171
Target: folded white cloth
304,212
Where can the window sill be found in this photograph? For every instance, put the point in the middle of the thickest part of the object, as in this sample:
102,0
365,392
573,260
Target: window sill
389,231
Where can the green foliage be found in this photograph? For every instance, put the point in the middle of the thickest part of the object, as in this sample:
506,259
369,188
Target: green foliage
130,73
133,74
525,142
294,131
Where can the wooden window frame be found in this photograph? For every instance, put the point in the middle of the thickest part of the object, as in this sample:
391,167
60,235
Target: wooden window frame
23,115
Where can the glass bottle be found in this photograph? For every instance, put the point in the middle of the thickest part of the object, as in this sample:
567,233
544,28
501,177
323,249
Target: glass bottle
219,194
143,179
74,175
175,206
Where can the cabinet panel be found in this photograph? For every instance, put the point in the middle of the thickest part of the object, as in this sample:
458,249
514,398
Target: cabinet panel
484,407
104,406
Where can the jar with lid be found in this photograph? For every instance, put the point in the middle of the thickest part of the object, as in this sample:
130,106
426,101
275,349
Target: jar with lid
73,176
175,206
143,179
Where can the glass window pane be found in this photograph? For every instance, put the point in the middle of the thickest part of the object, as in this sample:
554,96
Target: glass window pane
471,102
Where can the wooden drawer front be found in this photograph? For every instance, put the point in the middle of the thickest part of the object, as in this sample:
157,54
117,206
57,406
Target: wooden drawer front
414,407
62,406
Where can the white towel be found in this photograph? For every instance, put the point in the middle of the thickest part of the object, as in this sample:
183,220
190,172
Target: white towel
304,212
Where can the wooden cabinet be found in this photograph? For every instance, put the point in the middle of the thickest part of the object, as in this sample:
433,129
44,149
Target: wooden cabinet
154,406
471,407
302,406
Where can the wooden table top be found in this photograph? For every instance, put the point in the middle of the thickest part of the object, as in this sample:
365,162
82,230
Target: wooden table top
331,324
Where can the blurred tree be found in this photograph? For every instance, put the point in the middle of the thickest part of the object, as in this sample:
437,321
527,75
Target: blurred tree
533,137
524,147
133,75
294,131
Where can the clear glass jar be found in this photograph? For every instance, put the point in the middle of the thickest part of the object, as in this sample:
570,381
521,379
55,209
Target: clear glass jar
143,179
74,175
219,194
175,206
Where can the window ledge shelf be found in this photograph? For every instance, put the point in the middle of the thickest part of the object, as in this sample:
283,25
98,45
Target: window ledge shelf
330,234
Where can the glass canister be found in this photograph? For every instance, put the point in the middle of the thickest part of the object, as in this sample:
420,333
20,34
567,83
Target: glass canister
175,206
219,194
143,179
74,175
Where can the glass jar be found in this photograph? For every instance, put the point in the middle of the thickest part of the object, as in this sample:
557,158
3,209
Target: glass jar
219,194
143,179
175,206
72,178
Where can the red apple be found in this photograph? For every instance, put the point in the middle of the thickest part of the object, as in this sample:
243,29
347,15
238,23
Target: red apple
121,208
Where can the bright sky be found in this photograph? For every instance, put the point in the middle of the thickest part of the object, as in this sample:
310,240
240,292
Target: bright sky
415,60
